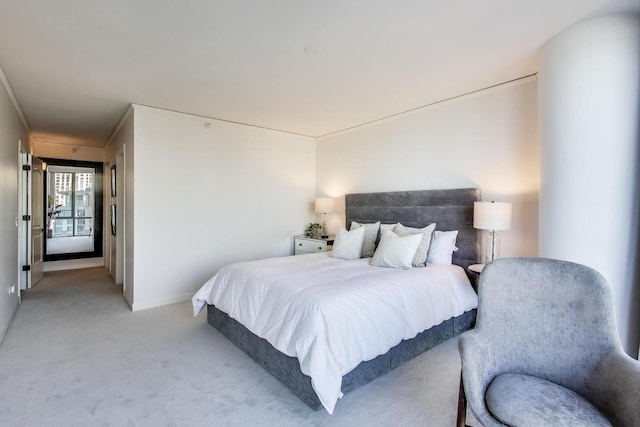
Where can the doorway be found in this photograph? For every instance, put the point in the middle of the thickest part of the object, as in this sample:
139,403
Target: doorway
73,209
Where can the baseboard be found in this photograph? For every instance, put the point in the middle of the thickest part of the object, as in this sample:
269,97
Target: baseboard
5,328
129,303
72,264
159,302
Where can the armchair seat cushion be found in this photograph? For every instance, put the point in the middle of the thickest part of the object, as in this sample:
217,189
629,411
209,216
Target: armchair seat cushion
524,400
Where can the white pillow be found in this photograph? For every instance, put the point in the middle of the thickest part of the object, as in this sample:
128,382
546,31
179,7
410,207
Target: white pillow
442,247
395,251
370,237
385,227
348,244
420,258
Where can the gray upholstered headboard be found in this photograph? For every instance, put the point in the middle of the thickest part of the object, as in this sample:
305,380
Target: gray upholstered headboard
449,209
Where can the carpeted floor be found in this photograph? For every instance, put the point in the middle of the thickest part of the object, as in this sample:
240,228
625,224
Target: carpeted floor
75,355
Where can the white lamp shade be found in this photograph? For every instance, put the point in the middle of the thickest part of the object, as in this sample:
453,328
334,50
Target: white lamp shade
325,205
492,215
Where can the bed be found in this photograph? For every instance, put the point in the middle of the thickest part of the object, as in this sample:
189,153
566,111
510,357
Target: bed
449,209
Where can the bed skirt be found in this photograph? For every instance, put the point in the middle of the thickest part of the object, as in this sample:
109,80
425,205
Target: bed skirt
286,369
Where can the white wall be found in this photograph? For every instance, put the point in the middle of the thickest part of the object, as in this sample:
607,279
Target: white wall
488,140
209,193
56,150
589,92
12,130
118,149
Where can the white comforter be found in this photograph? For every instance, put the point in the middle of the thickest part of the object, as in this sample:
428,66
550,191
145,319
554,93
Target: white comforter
333,314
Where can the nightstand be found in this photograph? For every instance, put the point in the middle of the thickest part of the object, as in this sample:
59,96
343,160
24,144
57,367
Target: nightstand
309,245
473,271
476,268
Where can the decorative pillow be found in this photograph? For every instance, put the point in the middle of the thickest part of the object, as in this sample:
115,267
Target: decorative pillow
370,236
385,227
420,258
395,251
348,244
442,247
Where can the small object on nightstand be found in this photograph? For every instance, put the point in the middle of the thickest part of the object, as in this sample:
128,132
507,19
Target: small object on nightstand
309,245
476,268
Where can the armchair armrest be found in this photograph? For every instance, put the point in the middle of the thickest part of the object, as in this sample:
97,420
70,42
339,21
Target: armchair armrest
615,389
479,367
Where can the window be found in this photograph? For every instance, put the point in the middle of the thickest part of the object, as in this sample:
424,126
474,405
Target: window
73,204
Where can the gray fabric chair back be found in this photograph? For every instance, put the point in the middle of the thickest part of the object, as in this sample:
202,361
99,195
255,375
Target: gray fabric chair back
552,319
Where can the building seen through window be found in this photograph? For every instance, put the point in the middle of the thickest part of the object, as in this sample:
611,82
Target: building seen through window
72,196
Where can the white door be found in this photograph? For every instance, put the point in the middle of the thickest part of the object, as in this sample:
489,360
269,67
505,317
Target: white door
37,220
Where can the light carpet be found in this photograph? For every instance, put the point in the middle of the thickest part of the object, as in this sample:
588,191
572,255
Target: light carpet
75,355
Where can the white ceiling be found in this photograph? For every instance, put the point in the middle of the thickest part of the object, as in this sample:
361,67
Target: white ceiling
74,65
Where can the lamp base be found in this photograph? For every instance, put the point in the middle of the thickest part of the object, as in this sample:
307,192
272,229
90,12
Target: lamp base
323,232
492,248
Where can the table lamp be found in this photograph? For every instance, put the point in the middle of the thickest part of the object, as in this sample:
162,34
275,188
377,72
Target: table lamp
324,205
492,216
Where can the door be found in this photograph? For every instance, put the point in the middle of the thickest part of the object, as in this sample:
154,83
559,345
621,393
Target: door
37,220
74,195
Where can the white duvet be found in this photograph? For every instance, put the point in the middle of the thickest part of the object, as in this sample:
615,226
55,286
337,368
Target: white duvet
332,314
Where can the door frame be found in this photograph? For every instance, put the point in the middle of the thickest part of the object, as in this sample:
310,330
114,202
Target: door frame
24,207
99,203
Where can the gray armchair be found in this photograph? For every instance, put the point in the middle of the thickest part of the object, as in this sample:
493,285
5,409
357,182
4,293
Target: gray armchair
545,349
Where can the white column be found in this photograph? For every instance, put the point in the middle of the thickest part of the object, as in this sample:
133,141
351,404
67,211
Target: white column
589,113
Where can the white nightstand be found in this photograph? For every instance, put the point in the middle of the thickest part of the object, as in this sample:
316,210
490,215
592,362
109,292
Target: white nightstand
309,245
474,271
476,268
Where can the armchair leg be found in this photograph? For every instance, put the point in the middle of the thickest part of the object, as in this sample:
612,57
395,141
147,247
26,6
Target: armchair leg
462,406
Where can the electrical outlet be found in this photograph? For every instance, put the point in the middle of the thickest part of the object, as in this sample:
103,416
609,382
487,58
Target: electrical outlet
12,290
17,221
